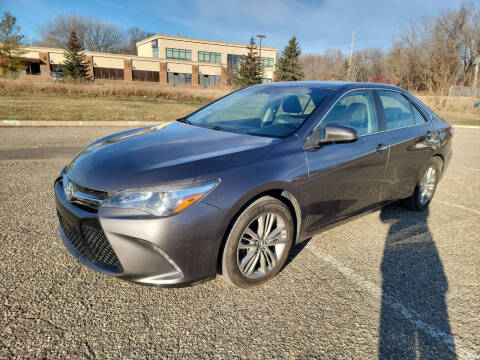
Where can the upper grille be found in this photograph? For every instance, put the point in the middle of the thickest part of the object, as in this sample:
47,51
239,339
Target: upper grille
89,199
91,242
97,193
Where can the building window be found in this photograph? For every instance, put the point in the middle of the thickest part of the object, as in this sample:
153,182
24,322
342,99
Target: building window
180,54
108,73
234,61
179,78
267,62
266,81
145,75
212,57
155,52
208,80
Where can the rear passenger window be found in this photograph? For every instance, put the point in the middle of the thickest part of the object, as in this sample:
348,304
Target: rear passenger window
357,110
419,118
397,110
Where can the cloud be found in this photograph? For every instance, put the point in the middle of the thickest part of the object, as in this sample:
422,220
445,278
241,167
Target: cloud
108,3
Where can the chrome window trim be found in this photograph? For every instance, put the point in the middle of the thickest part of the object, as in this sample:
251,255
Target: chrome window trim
370,89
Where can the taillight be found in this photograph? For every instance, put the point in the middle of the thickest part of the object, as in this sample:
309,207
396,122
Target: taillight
451,132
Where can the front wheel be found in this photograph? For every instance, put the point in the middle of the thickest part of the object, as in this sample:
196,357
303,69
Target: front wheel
425,188
258,243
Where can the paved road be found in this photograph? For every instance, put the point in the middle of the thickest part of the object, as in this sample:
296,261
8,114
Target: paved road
394,284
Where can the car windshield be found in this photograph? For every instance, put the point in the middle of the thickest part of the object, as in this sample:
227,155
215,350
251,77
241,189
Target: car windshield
262,110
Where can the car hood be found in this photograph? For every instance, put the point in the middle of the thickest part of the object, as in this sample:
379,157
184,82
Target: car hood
157,155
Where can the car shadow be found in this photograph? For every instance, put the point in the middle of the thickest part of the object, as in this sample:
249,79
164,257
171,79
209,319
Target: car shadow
296,249
413,276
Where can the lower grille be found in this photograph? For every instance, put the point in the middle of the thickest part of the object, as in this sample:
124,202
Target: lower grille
91,242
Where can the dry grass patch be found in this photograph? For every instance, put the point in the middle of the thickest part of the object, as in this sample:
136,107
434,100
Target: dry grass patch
120,89
47,107
456,118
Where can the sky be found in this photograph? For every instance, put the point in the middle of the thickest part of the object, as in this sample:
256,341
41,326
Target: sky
318,24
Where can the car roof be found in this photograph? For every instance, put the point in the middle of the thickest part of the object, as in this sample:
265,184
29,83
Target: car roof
333,85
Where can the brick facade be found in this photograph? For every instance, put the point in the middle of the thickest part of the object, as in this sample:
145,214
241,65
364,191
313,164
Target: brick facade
163,73
89,61
194,74
223,76
44,64
127,70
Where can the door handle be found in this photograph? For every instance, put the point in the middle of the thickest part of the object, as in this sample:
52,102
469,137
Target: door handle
381,148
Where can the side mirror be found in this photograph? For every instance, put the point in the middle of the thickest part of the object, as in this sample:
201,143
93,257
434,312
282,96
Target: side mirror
333,134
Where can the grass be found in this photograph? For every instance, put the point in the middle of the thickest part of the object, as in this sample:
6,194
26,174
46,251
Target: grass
81,108
106,89
111,108
456,118
45,100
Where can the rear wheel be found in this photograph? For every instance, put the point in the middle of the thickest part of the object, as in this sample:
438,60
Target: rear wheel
426,186
258,243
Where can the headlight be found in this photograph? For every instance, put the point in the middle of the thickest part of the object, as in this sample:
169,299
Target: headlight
161,201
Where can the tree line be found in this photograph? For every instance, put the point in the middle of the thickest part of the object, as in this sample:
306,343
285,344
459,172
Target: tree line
429,55
94,34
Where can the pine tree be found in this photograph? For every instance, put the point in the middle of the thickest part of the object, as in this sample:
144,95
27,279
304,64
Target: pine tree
75,65
10,45
250,71
288,66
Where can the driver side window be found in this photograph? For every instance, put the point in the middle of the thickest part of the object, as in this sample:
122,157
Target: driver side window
357,110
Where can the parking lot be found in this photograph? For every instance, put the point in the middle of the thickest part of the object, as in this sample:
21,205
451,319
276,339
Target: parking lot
390,284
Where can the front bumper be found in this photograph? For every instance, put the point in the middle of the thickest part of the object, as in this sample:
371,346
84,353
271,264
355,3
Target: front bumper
173,251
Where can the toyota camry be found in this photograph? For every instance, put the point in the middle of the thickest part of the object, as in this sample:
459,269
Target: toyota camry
232,187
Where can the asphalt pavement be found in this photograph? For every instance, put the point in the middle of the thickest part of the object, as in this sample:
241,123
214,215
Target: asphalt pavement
390,284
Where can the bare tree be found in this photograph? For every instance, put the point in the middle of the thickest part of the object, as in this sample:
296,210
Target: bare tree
133,35
95,34
327,66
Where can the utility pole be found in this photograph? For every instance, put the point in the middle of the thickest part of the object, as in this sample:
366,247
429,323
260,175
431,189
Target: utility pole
351,53
261,37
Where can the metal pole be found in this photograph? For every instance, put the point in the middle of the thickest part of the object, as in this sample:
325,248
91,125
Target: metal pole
351,53
261,37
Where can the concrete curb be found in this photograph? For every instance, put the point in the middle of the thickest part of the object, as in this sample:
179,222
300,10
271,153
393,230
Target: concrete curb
53,123
466,126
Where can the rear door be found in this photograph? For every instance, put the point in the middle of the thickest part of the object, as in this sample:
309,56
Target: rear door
406,132
345,179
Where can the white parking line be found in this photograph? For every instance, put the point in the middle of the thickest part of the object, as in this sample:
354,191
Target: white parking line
455,346
458,206
469,168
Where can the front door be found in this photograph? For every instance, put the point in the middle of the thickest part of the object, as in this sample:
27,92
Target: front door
345,179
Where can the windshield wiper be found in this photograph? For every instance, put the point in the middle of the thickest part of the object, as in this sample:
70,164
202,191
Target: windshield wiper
184,120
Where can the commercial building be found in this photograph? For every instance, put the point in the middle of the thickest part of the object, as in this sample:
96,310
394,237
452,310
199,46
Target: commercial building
191,61
165,59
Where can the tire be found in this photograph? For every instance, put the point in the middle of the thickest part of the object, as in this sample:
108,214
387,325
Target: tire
249,261
418,201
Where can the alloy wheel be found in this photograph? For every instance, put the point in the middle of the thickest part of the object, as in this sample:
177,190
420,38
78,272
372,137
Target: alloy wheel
427,185
262,245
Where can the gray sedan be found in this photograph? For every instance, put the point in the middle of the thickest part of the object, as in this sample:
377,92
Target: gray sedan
231,188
